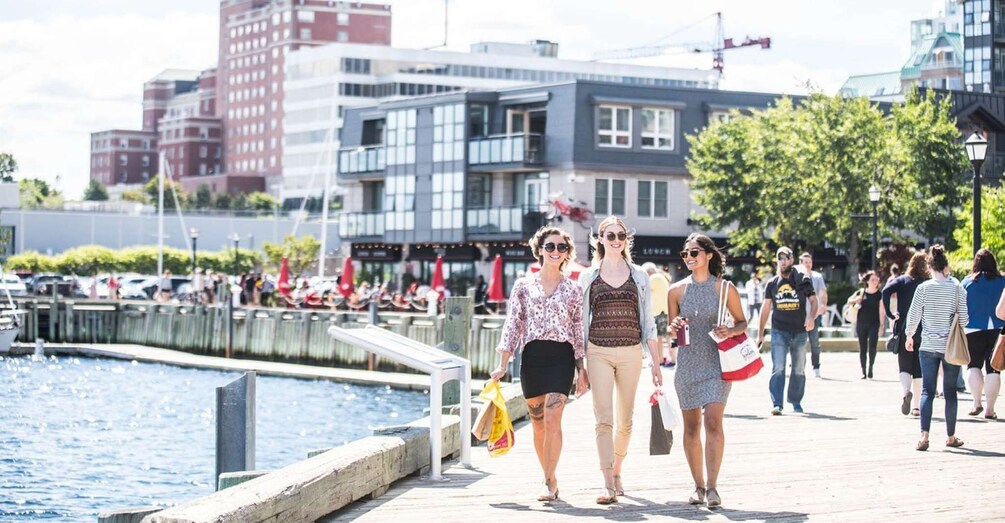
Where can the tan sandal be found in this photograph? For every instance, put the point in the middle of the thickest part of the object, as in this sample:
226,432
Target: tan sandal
698,496
955,443
548,494
618,489
610,496
714,501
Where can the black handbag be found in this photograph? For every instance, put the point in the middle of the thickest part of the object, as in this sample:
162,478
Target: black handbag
893,342
660,439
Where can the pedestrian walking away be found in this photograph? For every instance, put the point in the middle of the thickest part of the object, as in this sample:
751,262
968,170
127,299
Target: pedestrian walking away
545,322
820,291
984,286
755,295
789,299
869,321
618,323
698,381
908,362
936,305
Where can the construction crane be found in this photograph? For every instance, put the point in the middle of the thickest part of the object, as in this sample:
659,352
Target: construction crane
717,47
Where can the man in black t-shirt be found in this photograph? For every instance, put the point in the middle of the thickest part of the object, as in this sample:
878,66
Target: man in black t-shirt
787,296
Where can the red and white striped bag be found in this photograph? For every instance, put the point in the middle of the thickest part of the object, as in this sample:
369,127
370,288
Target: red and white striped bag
738,355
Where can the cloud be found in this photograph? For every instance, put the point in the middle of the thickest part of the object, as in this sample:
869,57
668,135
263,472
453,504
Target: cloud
73,75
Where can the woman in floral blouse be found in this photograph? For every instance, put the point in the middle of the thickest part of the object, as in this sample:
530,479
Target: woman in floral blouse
544,321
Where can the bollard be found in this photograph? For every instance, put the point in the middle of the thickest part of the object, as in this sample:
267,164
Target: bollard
431,299
456,328
235,426
39,348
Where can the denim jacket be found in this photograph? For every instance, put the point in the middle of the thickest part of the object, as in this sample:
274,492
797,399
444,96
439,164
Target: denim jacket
647,321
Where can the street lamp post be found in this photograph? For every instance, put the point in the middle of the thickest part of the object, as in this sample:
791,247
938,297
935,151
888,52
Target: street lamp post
236,238
194,234
977,148
874,195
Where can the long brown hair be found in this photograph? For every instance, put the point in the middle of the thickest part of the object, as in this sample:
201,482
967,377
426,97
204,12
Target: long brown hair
536,244
598,246
917,268
986,264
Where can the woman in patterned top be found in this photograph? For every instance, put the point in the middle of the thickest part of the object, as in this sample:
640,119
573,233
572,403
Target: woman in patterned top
618,322
544,321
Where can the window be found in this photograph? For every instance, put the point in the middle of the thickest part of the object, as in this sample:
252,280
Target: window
123,160
203,151
342,36
448,200
401,137
448,133
652,199
609,197
479,191
614,126
342,18
657,129
478,121
146,161
304,15
399,203
305,33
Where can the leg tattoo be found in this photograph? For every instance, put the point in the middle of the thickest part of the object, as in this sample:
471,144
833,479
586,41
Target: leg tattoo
555,400
536,411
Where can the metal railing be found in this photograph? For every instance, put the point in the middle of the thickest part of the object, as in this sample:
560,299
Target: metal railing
495,220
507,148
361,224
357,160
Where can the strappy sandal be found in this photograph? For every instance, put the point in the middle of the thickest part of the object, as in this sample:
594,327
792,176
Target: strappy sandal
697,497
976,411
922,446
548,495
991,416
610,496
618,489
955,443
714,501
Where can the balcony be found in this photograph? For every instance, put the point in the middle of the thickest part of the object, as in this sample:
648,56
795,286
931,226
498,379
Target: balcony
354,161
495,222
508,152
361,224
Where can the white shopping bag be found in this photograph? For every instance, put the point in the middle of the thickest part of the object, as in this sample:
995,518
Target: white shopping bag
669,408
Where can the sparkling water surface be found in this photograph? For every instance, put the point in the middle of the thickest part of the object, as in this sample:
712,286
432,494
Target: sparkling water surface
82,435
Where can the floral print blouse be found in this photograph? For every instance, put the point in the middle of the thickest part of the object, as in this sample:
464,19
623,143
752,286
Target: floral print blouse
534,315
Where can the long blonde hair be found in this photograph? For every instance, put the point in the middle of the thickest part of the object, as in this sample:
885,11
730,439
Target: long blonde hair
598,246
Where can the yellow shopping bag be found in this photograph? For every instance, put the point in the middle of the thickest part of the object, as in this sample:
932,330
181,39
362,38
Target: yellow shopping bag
501,436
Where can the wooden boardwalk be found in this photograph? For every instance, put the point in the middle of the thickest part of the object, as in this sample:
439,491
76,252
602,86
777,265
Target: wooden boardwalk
850,457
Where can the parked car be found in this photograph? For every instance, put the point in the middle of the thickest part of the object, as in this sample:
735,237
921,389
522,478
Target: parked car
13,285
42,284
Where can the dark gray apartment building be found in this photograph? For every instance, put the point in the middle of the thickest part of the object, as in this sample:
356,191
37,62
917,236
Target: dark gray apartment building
473,174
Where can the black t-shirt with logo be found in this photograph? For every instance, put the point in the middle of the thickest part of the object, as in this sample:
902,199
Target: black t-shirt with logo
788,301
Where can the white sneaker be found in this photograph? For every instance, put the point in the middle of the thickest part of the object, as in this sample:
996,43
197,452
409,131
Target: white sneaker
816,372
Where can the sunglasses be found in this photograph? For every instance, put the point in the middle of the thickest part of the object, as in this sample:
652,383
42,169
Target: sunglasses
562,247
693,253
784,257
621,236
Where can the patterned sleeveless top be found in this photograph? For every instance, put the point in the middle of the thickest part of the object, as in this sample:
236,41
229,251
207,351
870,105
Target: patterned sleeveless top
615,321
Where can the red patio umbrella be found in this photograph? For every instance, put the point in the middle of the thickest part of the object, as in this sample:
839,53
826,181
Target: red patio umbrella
283,284
496,282
346,287
437,283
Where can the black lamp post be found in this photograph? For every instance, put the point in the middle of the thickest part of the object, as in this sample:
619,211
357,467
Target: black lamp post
874,195
977,148
194,234
236,238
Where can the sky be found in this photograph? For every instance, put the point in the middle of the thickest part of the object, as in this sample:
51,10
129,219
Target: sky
74,67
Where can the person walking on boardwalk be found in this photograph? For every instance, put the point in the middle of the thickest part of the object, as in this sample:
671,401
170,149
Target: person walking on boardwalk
698,380
937,303
869,322
820,291
618,322
544,322
984,286
790,300
755,294
903,287
659,282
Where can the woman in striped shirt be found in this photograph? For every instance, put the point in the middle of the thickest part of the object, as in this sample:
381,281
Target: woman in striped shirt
937,303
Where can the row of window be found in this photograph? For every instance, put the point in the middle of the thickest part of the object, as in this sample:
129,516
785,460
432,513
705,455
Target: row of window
123,143
392,89
614,127
251,165
609,198
247,61
534,75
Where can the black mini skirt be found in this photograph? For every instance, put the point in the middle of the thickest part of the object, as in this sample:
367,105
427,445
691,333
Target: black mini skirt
547,366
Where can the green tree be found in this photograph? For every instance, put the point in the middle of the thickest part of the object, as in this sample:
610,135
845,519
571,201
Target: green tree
36,193
133,195
170,188
203,197
223,201
992,226
8,166
261,201
301,253
799,175
239,203
30,261
95,191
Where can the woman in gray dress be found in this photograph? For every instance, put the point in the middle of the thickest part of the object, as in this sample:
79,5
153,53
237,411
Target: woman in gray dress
694,303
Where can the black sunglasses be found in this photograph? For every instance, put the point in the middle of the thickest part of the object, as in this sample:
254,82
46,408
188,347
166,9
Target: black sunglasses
621,236
784,257
693,252
562,247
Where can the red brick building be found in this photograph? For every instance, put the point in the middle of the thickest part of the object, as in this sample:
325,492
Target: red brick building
255,37
120,156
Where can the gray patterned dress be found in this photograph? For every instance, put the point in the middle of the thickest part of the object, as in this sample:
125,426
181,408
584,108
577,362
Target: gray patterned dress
698,379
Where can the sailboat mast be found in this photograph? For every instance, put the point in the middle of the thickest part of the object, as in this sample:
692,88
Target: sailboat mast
160,217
